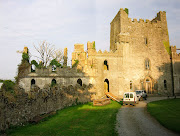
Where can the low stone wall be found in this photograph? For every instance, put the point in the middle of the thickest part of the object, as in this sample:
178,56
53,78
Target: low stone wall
21,107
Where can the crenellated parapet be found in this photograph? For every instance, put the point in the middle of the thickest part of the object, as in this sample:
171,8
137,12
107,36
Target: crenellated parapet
123,28
175,56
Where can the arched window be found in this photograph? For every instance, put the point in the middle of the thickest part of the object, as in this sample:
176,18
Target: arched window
106,67
147,64
53,82
53,68
131,85
106,85
33,68
79,81
165,85
33,82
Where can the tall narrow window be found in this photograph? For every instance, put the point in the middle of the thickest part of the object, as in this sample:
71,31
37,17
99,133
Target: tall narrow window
145,41
53,82
131,87
147,64
106,67
165,85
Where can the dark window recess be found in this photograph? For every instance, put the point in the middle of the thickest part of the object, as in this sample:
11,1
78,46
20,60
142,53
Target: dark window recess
79,81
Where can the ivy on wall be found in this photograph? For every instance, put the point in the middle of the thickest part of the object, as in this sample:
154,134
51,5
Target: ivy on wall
94,46
25,57
75,64
35,63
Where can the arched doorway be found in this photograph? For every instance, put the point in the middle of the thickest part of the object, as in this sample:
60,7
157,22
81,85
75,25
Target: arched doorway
79,81
148,85
106,85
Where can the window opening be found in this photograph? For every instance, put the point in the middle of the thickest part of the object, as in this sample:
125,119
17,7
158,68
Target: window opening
79,81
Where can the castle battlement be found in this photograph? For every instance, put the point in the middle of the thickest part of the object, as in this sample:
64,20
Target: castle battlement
175,55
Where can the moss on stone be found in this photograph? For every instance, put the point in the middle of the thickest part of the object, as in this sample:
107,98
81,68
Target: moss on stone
167,47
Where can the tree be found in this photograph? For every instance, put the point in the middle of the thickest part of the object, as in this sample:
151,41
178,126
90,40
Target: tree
47,53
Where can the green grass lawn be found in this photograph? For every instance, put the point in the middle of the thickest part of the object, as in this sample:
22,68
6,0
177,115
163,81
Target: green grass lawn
81,120
167,112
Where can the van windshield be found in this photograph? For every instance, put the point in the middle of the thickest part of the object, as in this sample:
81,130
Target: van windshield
138,92
131,95
126,95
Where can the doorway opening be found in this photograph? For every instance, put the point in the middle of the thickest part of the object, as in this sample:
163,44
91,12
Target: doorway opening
106,85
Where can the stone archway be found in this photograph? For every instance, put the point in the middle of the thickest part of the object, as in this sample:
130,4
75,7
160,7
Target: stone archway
106,85
148,85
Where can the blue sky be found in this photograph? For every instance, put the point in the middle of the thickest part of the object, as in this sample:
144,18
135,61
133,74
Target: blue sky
66,22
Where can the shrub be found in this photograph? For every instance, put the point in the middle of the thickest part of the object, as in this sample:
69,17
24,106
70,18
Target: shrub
55,62
126,10
8,85
35,63
25,57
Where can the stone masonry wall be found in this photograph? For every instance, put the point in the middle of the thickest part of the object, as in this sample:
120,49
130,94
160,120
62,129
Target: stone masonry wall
22,107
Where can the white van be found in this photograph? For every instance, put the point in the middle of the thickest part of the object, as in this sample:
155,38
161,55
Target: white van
130,98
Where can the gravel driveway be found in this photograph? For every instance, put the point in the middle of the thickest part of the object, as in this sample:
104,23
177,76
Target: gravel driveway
136,121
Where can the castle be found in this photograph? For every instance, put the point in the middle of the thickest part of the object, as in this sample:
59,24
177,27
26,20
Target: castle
140,58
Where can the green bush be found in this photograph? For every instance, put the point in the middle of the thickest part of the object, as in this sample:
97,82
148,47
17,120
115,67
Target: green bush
55,62
35,63
126,10
25,57
8,85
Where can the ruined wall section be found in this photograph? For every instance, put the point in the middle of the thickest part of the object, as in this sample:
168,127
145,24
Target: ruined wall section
25,107
64,76
176,69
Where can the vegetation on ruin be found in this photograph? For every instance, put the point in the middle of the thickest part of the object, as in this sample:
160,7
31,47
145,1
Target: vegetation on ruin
55,62
126,10
8,85
81,120
94,46
167,113
167,47
75,64
34,62
1,80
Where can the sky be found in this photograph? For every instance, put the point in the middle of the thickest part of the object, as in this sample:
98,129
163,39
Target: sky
64,23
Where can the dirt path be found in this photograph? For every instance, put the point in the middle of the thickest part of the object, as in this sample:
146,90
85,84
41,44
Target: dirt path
136,121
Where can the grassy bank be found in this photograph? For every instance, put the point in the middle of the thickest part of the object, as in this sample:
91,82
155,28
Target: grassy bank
167,112
81,120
